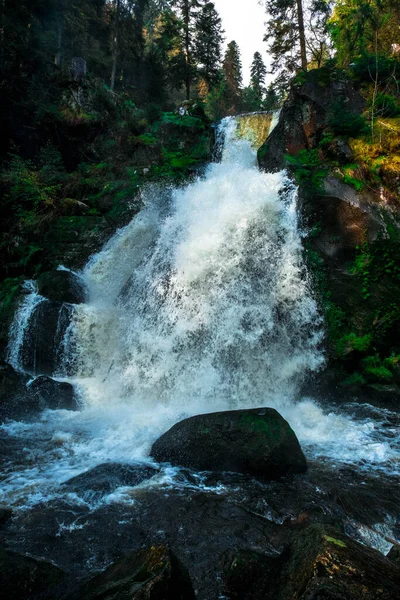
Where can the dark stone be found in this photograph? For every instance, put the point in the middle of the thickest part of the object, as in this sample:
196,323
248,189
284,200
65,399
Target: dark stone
19,401
62,286
104,479
250,576
324,564
257,442
12,383
394,555
56,395
23,578
41,348
150,574
5,515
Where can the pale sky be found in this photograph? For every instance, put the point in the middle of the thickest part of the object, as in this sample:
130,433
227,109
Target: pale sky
244,22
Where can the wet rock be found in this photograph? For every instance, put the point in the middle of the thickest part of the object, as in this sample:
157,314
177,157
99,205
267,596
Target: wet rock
13,394
19,401
153,573
325,564
304,116
23,578
62,286
5,515
250,576
45,393
394,555
257,442
42,345
12,383
104,479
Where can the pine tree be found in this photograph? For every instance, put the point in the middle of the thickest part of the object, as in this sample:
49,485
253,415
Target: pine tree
232,69
209,38
272,101
258,73
187,10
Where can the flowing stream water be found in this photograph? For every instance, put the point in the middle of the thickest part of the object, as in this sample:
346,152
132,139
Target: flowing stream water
202,303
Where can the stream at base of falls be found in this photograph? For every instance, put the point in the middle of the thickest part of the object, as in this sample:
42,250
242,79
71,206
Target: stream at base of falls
202,303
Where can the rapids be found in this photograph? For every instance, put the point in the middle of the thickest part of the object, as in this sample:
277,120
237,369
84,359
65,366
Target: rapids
201,303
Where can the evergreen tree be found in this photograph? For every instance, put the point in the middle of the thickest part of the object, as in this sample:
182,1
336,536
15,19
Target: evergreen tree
258,73
272,101
187,11
209,38
232,69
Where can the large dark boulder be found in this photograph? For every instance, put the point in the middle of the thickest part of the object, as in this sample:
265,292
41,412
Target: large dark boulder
150,574
12,383
104,479
41,350
23,578
20,401
5,515
45,393
258,442
62,286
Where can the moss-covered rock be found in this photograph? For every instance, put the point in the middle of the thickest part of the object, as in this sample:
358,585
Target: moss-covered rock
258,442
324,564
153,573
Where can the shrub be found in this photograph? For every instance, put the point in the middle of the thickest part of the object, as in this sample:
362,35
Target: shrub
387,106
346,123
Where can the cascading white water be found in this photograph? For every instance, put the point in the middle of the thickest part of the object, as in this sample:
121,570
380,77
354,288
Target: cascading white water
208,307
202,303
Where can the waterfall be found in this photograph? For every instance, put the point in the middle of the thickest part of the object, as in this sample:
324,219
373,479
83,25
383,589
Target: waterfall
202,302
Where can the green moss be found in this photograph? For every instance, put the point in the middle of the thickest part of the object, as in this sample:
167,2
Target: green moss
354,380
335,541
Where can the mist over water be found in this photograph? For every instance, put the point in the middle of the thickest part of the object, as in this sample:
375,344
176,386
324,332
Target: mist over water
202,303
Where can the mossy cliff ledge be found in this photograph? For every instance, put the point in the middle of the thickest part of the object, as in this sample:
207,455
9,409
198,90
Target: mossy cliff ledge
347,166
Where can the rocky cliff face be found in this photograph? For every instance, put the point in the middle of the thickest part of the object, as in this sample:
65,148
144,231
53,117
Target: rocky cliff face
351,210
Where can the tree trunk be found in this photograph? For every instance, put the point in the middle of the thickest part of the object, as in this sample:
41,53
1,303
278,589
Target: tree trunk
302,35
186,20
115,47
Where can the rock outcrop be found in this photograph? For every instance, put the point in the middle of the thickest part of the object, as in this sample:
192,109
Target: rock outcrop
62,286
257,442
21,400
319,564
153,573
304,116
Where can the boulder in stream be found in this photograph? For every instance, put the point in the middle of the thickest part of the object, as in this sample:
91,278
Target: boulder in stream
62,286
153,573
20,401
257,442
106,478
55,395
